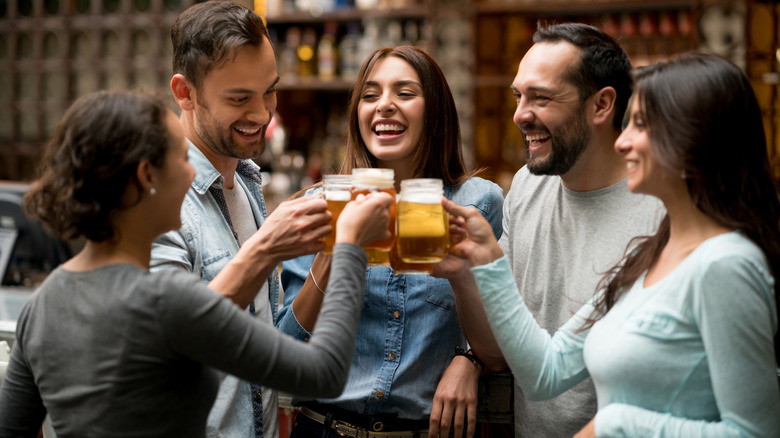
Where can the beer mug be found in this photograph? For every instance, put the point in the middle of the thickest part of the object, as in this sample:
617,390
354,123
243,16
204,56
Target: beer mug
367,180
337,191
423,225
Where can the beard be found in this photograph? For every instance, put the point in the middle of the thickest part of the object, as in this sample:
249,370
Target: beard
221,140
567,143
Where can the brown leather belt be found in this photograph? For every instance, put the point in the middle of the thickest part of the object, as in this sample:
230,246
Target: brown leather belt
346,429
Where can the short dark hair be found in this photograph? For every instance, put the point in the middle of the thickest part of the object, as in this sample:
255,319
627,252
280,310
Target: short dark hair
603,62
207,33
439,153
92,158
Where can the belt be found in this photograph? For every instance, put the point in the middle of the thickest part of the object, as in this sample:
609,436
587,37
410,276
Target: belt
346,429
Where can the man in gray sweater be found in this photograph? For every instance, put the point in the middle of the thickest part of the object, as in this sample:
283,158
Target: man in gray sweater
568,216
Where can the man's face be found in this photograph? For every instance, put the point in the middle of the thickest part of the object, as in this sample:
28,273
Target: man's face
236,101
550,113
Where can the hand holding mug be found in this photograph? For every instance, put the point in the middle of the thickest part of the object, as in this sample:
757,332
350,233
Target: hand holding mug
365,219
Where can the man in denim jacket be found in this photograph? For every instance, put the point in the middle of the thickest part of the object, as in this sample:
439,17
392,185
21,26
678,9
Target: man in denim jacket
225,83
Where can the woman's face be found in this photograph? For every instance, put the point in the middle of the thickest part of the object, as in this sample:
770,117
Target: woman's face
175,176
391,112
645,172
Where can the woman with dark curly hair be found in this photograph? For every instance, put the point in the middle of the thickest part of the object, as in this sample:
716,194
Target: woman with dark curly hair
679,338
107,348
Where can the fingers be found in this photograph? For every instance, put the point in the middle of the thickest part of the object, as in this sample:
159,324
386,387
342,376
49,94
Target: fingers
471,412
435,418
457,210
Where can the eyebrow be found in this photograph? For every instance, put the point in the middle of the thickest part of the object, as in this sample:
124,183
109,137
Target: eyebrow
397,83
248,91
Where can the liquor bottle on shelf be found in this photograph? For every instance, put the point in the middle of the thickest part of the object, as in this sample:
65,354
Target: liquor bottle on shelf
307,66
349,63
326,53
288,58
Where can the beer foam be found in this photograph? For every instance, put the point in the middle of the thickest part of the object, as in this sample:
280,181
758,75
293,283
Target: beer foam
380,178
338,195
421,197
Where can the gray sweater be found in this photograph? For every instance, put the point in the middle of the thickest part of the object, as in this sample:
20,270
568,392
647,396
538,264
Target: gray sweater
119,351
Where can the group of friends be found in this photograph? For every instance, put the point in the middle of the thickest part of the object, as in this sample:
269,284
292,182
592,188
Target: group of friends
627,279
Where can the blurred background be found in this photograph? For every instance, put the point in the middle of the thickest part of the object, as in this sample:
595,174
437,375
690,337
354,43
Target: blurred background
53,51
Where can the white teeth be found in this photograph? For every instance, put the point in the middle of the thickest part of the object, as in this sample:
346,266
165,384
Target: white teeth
630,164
248,131
537,137
387,127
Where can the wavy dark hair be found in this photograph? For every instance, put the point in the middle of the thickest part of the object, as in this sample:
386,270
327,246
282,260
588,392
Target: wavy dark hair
205,34
699,109
603,63
439,154
91,160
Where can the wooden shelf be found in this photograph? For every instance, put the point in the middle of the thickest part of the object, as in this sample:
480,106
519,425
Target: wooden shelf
315,84
579,7
348,14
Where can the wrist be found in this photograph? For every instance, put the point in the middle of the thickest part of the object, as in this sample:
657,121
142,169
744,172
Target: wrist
468,354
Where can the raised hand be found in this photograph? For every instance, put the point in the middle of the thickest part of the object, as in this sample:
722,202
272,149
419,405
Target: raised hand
365,219
473,234
293,229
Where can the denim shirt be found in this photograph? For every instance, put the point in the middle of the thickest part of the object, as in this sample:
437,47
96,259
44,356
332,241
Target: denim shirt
408,328
204,244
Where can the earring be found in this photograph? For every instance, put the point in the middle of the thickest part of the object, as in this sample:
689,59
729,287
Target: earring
152,191
683,175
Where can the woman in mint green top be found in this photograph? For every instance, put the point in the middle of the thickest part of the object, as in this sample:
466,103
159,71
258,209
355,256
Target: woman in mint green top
679,337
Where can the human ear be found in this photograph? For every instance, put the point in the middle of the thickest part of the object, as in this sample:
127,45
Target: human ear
145,175
182,92
604,105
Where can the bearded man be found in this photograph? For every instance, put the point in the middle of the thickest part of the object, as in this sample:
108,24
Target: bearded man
568,216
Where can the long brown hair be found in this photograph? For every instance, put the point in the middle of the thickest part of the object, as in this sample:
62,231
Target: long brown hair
698,109
439,153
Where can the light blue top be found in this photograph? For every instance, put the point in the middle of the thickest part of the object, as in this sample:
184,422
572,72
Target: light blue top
690,356
203,245
399,357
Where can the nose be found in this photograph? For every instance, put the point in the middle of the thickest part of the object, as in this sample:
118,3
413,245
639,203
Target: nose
263,111
523,114
623,143
385,104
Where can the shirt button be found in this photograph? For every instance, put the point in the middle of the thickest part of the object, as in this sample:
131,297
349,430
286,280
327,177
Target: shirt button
392,356
380,394
259,393
397,314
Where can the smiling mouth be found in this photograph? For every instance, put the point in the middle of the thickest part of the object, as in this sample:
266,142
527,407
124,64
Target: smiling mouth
537,139
383,129
630,165
247,131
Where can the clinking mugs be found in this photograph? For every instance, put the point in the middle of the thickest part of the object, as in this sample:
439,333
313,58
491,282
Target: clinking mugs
367,180
423,225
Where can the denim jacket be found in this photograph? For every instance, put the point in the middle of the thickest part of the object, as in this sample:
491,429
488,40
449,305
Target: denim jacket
204,245
408,328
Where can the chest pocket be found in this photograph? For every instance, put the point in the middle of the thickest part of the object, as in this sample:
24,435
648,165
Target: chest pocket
439,292
213,264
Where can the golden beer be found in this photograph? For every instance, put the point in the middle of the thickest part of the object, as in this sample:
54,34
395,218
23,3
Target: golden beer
423,225
337,195
402,268
365,181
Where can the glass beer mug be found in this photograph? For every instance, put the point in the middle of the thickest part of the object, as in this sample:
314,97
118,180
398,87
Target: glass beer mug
364,181
337,190
423,225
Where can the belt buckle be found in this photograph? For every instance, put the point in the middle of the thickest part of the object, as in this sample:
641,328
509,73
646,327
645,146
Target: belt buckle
346,429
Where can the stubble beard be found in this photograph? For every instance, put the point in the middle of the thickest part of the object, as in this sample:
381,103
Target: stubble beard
567,145
221,140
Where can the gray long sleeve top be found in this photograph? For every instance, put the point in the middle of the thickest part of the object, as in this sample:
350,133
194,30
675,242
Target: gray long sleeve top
119,351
